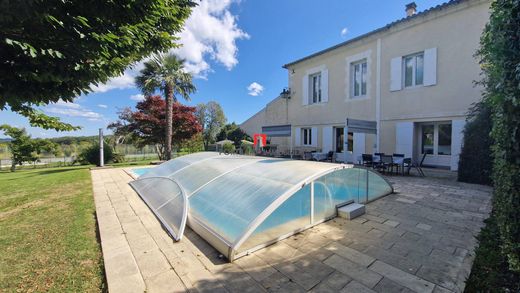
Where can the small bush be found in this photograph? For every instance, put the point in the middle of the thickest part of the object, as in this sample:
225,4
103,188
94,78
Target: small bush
476,163
119,158
90,155
247,149
228,148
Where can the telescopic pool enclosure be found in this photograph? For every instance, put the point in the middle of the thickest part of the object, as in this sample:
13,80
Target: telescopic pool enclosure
240,204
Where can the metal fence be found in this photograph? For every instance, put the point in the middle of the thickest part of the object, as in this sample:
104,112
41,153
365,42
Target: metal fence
130,152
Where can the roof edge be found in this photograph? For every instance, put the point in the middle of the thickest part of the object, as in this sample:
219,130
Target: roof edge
378,30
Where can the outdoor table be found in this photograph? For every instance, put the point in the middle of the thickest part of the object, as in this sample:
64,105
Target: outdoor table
319,156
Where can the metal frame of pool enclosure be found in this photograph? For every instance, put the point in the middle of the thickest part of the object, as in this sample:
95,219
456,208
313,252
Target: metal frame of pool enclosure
240,204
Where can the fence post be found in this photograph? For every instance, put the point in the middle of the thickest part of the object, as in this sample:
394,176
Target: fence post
101,153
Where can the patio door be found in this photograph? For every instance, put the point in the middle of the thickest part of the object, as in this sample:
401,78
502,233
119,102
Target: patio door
434,139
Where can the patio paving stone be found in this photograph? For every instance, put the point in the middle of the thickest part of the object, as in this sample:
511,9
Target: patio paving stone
419,240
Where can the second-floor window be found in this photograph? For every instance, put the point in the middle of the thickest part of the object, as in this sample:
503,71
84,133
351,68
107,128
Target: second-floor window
413,69
359,78
315,88
307,136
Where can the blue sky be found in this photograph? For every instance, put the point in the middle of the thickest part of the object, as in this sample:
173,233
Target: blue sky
236,50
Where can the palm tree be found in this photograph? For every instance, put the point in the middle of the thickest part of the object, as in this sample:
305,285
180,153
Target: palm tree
166,73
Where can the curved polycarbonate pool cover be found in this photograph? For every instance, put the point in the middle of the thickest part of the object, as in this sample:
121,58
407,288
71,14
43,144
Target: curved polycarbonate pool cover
242,203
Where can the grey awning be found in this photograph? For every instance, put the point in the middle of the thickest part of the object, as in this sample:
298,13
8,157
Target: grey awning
277,130
361,126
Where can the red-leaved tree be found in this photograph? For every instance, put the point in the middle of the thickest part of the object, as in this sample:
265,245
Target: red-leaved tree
146,125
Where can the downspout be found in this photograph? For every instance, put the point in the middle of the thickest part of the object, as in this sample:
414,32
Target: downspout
378,96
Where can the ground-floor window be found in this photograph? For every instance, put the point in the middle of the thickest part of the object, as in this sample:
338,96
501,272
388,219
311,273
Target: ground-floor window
307,136
339,139
436,138
350,138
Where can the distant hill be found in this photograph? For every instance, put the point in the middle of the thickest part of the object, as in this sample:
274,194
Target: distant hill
7,139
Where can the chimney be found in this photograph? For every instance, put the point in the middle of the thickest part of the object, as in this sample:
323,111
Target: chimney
410,9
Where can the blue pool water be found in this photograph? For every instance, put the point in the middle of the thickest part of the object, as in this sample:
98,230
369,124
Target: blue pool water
140,171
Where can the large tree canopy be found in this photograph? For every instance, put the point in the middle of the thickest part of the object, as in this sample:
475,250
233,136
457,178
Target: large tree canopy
23,148
166,73
147,124
212,118
55,49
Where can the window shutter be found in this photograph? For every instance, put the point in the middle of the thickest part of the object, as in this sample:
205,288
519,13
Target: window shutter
314,137
430,67
327,139
396,67
457,127
325,85
297,136
305,90
404,138
358,149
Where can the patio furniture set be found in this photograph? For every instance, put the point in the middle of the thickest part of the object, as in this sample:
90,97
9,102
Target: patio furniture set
390,163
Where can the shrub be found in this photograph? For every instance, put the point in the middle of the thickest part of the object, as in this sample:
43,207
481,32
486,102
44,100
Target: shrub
490,271
475,163
247,149
500,58
228,148
118,158
90,155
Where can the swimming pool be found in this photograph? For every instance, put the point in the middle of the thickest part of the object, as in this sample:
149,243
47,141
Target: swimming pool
140,171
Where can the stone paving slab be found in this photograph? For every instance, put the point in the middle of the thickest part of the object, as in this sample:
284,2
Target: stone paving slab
420,239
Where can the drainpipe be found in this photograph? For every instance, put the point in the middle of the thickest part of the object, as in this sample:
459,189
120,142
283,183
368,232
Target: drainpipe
378,96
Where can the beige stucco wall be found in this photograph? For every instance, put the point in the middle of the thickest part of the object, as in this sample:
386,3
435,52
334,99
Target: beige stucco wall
455,32
456,36
274,113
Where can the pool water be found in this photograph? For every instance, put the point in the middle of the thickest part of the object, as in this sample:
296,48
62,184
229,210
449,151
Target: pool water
140,171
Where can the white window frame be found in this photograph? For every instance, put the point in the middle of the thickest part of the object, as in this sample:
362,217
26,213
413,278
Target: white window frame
312,89
435,137
363,56
364,79
306,136
414,70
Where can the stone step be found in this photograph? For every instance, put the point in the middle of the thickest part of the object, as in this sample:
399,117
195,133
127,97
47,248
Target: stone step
351,211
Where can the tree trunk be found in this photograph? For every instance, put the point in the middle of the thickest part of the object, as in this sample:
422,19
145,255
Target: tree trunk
169,121
13,166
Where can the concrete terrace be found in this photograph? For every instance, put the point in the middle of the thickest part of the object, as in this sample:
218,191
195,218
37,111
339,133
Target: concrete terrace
420,239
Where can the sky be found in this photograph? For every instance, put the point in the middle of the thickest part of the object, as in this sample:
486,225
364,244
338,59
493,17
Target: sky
235,49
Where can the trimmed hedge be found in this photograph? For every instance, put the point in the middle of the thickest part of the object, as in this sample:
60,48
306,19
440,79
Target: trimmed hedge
500,60
490,271
475,163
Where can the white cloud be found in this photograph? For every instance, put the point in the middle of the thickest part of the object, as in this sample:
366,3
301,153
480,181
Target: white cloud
138,97
344,32
210,31
69,105
255,89
124,81
72,110
102,106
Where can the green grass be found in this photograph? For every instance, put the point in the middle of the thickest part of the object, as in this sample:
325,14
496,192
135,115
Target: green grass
48,232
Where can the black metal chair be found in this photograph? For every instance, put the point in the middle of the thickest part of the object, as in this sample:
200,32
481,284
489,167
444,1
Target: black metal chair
330,156
417,166
387,163
377,160
367,160
399,165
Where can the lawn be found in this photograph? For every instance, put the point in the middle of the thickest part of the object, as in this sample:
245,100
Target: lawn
48,232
